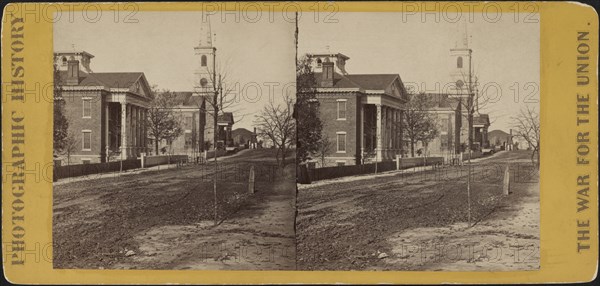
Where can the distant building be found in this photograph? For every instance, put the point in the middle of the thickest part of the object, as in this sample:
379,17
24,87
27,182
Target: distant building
105,110
359,111
242,137
481,123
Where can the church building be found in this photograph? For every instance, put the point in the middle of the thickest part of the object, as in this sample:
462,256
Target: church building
194,108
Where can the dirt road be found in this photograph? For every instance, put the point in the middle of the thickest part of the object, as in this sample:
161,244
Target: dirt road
165,219
418,221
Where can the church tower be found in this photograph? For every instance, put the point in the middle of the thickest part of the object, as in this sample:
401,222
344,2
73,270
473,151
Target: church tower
205,61
461,68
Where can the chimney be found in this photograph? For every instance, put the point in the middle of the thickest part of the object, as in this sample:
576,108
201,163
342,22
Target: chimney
327,80
72,72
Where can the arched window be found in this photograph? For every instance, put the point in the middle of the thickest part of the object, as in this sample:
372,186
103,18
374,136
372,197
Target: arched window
319,62
64,61
459,63
203,61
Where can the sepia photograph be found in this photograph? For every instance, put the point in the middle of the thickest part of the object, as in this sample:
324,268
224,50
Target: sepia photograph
418,146
174,143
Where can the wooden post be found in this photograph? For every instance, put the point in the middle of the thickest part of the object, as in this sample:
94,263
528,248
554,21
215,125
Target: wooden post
506,185
251,180
397,162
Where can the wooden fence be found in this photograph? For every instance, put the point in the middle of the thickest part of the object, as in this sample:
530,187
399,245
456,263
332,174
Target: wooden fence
61,172
352,170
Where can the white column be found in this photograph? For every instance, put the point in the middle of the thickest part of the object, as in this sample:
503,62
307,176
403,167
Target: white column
129,129
106,132
393,120
124,130
145,131
396,129
137,130
379,133
400,143
362,131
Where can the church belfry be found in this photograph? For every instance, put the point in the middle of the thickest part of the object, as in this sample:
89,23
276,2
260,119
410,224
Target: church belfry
461,69
205,61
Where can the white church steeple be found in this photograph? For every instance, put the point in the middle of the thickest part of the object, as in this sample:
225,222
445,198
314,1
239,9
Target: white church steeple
461,68
205,60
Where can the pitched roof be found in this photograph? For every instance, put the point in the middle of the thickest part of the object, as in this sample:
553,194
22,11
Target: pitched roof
481,119
186,98
373,81
226,117
339,81
106,79
442,100
242,132
364,81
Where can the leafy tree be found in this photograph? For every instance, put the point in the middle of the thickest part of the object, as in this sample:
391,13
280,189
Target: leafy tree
162,124
70,146
61,124
306,111
324,148
418,122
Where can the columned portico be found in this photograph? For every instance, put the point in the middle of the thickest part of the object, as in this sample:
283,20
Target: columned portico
380,125
379,148
124,131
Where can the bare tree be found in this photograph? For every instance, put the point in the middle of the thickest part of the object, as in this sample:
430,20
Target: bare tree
276,122
527,126
217,97
417,122
162,124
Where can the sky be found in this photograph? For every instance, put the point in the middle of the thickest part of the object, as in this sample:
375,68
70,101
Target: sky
258,57
505,53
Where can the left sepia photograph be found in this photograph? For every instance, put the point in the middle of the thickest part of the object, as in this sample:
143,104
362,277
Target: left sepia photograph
174,142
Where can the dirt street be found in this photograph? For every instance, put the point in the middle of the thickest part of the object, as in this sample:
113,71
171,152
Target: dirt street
165,219
418,221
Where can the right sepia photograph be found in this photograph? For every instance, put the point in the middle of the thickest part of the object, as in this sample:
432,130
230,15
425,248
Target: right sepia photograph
418,142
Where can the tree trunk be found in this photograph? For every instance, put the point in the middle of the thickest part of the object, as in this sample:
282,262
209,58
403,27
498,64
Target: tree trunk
412,148
470,123
155,146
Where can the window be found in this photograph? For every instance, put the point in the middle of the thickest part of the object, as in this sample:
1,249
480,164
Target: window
87,140
319,62
444,142
341,142
188,122
203,82
203,61
87,108
188,140
86,161
341,109
340,163
459,63
64,61
444,127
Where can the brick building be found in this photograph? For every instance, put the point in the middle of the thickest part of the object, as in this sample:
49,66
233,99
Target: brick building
358,111
105,110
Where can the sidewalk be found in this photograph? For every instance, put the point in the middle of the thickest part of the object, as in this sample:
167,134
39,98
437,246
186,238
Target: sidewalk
113,174
381,174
